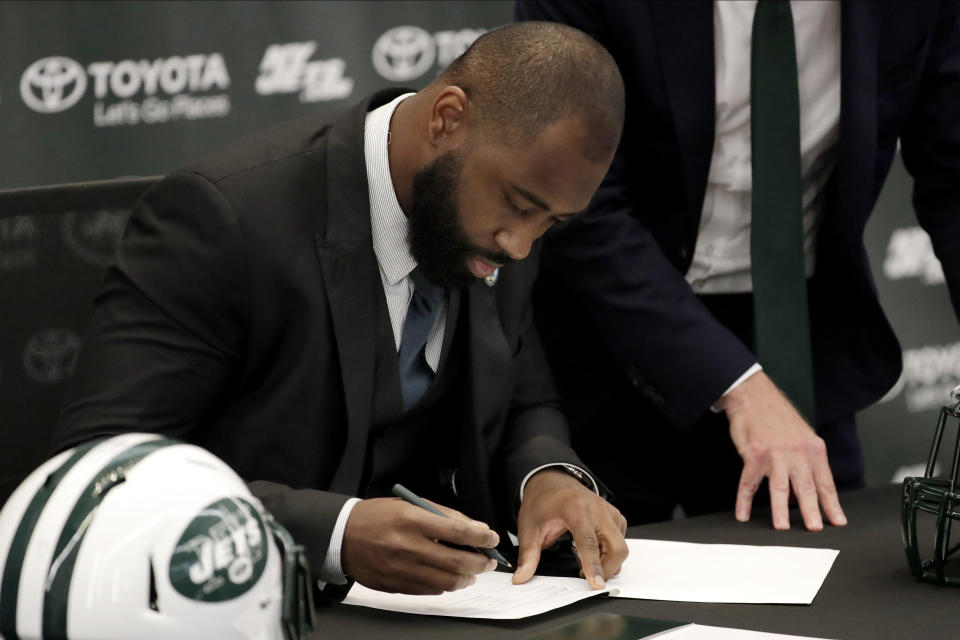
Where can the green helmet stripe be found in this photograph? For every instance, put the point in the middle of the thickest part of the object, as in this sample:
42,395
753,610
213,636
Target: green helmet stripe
57,584
10,586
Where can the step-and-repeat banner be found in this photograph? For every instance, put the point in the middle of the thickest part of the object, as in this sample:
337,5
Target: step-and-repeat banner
102,89
95,90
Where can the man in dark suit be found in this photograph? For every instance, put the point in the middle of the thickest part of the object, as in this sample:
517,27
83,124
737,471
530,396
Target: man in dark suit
307,305
670,269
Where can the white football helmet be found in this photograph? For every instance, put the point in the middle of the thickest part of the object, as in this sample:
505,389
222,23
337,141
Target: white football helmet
140,536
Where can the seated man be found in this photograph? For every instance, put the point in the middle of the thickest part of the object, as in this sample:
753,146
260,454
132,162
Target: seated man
338,304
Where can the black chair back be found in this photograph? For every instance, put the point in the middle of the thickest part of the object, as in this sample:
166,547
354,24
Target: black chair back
55,243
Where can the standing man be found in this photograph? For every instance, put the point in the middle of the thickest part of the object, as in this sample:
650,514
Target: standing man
339,303
721,266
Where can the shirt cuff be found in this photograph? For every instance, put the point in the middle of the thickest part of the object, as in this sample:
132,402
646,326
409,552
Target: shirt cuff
583,473
736,383
331,571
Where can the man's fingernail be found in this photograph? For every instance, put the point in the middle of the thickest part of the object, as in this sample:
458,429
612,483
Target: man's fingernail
598,582
493,539
491,565
782,523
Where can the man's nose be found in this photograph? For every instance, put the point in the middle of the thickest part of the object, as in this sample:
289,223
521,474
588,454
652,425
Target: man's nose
516,240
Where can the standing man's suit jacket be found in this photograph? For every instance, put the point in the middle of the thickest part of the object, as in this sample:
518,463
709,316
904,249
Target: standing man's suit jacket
240,315
623,262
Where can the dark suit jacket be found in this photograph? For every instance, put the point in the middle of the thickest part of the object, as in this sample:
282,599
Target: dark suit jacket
623,263
240,315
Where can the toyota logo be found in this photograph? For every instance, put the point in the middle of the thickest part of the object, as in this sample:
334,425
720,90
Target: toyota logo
50,356
53,84
404,53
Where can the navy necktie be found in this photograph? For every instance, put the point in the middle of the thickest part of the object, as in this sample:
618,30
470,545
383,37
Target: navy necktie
415,373
781,320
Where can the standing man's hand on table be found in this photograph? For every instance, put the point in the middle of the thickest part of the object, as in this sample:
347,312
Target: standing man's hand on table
390,545
554,503
776,442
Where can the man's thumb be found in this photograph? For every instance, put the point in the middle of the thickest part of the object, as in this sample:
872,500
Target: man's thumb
527,562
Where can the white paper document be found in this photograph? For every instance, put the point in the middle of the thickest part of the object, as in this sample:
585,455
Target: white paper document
703,632
689,572
493,597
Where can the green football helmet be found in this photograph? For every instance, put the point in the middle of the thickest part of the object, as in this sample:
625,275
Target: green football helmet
939,497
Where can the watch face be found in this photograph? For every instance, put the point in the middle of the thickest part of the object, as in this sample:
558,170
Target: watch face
576,473
579,475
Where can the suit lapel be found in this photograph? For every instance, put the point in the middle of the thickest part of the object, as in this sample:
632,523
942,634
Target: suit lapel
453,315
857,143
349,268
488,384
684,32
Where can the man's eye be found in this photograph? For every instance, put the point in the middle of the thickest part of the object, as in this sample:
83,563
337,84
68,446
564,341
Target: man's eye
517,209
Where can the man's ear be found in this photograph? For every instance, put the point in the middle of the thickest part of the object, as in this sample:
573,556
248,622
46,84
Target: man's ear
449,118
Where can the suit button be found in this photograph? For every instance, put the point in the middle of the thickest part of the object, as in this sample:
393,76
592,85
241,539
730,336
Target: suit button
684,252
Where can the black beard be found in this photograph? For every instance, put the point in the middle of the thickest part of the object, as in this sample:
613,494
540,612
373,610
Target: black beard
437,241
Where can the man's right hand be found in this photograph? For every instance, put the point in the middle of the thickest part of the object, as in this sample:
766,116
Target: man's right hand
390,545
776,442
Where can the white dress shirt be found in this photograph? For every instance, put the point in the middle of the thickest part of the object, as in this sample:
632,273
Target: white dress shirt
721,259
389,226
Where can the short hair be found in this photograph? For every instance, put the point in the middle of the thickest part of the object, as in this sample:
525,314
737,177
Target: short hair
522,77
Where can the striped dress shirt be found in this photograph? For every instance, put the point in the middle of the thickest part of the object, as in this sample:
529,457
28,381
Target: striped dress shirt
389,226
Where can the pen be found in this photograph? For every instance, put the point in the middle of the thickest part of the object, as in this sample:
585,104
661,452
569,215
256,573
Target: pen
409,496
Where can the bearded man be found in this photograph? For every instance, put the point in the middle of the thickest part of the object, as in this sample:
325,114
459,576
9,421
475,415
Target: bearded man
339,303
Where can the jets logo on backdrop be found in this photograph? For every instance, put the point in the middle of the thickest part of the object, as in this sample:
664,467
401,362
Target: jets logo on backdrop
50,356
287,68
405,53
222,552
53,84
131,92
910,255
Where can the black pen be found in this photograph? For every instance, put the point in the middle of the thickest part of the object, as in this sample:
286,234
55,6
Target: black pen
409,496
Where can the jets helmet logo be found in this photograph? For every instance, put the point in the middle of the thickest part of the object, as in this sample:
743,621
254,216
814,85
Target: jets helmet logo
222,552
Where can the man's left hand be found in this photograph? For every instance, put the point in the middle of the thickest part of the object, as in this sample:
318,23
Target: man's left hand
554,503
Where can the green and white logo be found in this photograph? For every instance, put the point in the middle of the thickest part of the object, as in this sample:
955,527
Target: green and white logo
222,552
